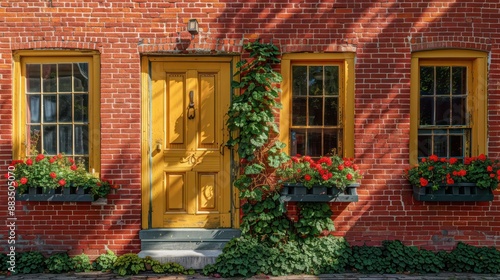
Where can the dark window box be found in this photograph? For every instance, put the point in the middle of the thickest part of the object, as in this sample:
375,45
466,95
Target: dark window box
298,192
59,194
456,192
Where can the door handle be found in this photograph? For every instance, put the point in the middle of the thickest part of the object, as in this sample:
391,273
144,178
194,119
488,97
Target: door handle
221,148
158,146
191,110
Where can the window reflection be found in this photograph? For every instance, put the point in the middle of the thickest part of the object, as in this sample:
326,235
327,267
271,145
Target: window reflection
444,128
316,127
57,108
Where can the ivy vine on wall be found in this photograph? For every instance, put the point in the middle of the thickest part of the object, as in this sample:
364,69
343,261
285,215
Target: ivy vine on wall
253,136
251,121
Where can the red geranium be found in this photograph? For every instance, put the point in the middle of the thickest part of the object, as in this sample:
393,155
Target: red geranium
23,181
57,171
434,171
324,171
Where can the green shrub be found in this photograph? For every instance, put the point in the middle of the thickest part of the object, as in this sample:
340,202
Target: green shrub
81,263
394,257
30,262
328,254
367,259
128,264
467,258
105,261
314,218
247,256
4,265
175,268
411,259
266,219
59,263
152,264
169,268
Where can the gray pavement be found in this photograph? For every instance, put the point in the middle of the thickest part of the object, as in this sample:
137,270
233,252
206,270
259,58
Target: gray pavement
347,276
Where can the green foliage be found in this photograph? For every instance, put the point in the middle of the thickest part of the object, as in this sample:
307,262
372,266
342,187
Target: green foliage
81,263
4,266
252,110
105,261
252,124
247,256
128,264
437,172
169,268
55,172
329,171
366,259
328,254
175,268
266,220
59,263
314,219
150,261
30,262
467,258
394,257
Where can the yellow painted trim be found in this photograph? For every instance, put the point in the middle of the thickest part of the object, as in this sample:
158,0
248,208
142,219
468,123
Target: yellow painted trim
95,113
480,112
414,113
347,95
454,53
192,58
286,89
235,193
348,115
145,145
478,101
17,116
19,101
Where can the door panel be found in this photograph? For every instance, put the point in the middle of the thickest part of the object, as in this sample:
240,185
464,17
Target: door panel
191,186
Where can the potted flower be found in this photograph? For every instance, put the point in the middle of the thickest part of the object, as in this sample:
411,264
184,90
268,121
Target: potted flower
330,175
57,178
442,179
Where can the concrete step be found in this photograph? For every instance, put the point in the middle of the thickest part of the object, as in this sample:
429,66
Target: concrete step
186,239
192,248
195,259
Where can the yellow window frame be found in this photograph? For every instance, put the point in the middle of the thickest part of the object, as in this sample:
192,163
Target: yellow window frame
476,63
346,96
23,57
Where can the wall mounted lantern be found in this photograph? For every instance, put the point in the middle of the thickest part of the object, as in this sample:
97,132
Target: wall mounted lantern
192,26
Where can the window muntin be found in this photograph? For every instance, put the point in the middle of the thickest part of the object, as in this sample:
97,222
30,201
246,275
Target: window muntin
316,124
57,99
444,128
476,84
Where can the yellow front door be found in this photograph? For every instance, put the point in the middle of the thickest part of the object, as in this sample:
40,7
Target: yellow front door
190,170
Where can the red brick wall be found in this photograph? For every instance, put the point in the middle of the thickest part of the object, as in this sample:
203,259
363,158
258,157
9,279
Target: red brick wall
382,33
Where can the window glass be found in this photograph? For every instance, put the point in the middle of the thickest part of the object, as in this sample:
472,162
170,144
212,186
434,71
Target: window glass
57,109
316,128
443,128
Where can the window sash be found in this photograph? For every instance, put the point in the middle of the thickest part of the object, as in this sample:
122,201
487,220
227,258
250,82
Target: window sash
316,111
57,103
444,102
